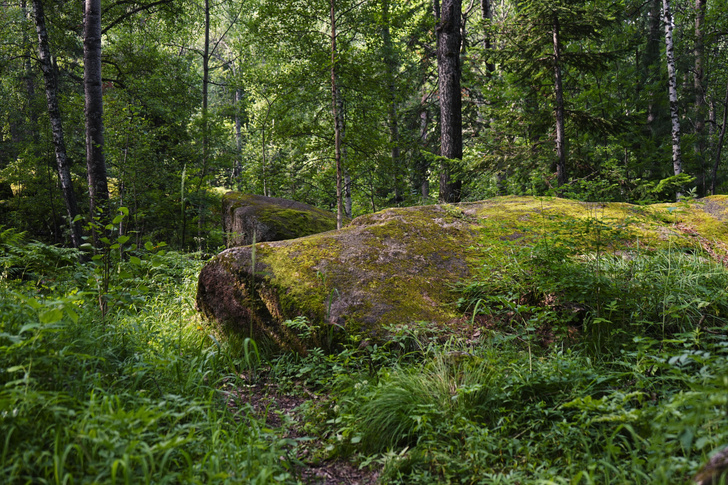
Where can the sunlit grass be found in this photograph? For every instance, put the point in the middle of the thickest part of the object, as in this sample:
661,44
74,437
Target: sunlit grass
129,398
635,391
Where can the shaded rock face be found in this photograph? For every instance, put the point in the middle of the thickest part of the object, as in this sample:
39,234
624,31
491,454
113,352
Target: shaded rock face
389,268
270,219
398,266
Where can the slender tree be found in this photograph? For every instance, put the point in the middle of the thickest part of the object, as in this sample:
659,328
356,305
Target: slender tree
672,87
449,72
545,39
698,78
95,161
50,76
719,147
559,106
390,62
651,67
338,121
486,10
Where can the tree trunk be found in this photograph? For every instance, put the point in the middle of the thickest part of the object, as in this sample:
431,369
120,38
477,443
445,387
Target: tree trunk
205,125
95,163
698,75
347,179
390,62
238,170
559,109
337,122
486,10
719,148
347,194
424,165
651,61
672,88
50,77
448,70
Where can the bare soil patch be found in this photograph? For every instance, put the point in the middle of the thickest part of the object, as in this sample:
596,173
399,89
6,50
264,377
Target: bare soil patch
280,411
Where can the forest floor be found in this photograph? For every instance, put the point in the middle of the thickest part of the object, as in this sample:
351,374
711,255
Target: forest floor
281,410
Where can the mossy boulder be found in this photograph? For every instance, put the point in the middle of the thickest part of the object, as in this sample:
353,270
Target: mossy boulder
398,266
247,216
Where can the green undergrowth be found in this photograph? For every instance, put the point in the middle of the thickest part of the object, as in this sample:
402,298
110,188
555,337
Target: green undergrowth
583,358
120,383
491,412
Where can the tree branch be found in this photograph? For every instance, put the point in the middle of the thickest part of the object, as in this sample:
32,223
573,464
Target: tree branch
133,12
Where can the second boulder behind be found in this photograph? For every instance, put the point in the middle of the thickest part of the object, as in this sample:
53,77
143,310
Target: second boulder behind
248,216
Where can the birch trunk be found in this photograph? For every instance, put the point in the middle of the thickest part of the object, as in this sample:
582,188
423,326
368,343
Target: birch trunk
559,109
50,77
672,88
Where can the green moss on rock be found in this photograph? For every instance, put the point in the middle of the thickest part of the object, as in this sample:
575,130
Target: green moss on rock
397,267
246,217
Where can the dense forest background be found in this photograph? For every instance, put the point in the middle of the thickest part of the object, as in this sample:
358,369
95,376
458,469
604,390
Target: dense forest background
597,100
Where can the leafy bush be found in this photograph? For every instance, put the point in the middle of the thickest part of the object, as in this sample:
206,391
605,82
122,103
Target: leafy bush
568,281
130,398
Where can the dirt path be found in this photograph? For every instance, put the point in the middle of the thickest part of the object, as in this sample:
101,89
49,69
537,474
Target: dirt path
281,411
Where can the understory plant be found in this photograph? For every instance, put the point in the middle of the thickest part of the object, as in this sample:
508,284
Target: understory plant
593,366
133,396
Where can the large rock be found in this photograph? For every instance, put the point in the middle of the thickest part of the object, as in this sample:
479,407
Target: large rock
398,266
247,216
391,267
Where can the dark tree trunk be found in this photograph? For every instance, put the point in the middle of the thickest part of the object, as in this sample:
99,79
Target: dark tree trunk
205,122
50,77
390,61
559,109
95,163
338,122
698,76
651,65
719,147
486,9
448,70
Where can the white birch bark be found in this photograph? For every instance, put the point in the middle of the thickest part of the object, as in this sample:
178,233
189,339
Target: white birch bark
559,109
672,87
54,114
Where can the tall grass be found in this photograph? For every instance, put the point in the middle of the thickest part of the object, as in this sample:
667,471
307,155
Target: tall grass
411,401
594,369
129,398
590,369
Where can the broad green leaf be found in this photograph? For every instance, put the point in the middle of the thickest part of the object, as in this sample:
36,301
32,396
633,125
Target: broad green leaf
72,314
51,316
